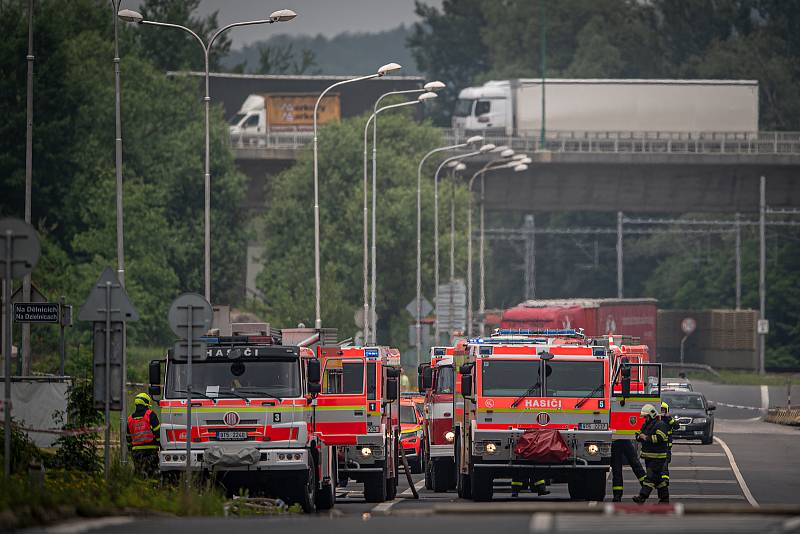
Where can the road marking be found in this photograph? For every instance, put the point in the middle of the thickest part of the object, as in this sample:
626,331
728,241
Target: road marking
739,477
77,527
418,486
384,507
541,522
764,398
698,454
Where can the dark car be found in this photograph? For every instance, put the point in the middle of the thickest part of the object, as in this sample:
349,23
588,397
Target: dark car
694,415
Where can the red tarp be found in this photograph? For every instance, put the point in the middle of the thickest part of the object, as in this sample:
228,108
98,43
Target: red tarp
543,445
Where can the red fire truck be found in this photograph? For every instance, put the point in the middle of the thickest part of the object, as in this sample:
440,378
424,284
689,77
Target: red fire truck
436,380
357,413
556,387
253,419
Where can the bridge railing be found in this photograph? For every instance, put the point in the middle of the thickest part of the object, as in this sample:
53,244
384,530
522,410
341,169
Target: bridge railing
738,143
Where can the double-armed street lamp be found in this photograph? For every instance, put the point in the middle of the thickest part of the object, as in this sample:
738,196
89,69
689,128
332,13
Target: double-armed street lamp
429,88
370,319
282,15
482,150
474,140
383,71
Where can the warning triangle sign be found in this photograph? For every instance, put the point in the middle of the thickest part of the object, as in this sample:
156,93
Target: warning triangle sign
108,289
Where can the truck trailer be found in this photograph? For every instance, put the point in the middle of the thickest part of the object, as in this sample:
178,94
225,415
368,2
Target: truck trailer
597,317
608,106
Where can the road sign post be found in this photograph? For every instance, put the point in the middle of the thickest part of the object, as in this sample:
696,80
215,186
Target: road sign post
19,253
108,308
64,320
190,317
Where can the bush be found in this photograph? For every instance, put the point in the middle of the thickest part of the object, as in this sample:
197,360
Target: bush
23,451
79,451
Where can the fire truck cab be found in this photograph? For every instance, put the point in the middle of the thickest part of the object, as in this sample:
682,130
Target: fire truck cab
358,413
252,419
519,381
437,381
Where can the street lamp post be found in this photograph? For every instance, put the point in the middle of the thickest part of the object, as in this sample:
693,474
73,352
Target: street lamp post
471,141
389,67
370,324
432,88
482,150
282,15
459,167
491,166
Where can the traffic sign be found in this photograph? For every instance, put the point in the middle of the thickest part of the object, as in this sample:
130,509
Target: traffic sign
688,325
762,327
190,312
121,309
451,306
425,308
25,248
31,312
36,296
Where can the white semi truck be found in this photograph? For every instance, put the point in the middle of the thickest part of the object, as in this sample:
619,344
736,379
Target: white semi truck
514,107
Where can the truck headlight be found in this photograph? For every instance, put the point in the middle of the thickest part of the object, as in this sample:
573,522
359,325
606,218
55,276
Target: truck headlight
366,451
700,420
491,448
592,449
450,436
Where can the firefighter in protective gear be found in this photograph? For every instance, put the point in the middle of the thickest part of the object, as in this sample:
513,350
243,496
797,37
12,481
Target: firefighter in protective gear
623,451
144,435
655,447
534,483
672,424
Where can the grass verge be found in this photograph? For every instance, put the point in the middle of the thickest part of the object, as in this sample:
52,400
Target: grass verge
746,378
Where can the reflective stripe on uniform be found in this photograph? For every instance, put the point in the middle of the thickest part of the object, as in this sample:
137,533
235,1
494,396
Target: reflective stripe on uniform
144,447
539,483
515,483
657,455
617,488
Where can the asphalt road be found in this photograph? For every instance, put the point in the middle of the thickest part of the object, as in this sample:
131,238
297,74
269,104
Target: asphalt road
750,464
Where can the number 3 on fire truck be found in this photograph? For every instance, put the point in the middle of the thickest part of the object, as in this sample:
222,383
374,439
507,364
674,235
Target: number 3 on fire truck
276,417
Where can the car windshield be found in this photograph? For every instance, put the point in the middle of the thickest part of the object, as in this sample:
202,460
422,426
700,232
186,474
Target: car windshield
236,378
574,379
509,378
463,108
444,380
684,402
236,119
408,415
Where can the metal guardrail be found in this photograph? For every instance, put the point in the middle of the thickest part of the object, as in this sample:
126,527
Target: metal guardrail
703,143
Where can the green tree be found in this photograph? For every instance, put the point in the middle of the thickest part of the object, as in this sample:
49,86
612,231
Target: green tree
287,280
174,49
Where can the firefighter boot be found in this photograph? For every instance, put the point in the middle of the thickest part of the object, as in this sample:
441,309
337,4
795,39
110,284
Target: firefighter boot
644,493
617,496
663,494
541,488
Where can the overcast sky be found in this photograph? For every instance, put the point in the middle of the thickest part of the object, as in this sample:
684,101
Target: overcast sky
328,17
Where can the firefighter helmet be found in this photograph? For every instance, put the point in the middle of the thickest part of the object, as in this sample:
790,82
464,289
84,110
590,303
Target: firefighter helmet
648,410
664,407
143,399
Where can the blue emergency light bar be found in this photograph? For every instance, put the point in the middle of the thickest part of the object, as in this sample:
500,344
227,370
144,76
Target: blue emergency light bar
439,351
371,353
505,341
544,332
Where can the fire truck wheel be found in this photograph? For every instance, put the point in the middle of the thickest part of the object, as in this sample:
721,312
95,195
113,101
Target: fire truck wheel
441,475
428,476
481,486
326,497
595,484
307,490
375,488
577,488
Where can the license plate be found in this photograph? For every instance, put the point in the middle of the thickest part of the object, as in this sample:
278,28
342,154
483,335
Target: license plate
592,426
682,428
698,432
231,435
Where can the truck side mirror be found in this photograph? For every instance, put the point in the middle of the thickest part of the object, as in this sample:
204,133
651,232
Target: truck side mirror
313,371
154,391
314,388
466,385
392,390
626,386
154,373
427,378
393,372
